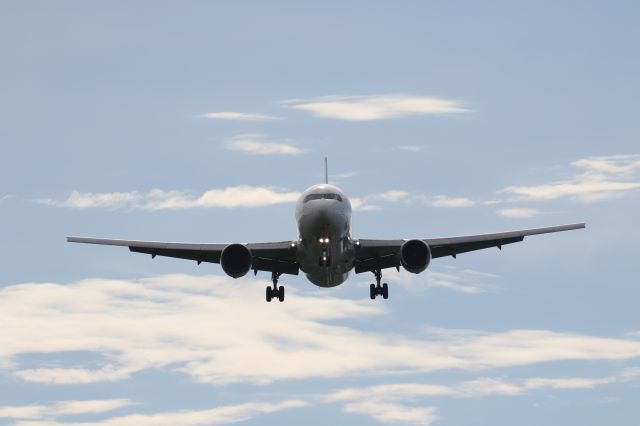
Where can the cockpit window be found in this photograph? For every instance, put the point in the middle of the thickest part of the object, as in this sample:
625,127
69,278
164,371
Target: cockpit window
322,197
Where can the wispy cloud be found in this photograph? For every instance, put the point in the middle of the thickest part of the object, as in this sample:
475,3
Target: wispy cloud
103,317
374,201
377,107
238,116
464,282
392,403
51,375
256,144
63,408
157,199
449,202
392,413
370,202
598,179
225,414
410,148
518,212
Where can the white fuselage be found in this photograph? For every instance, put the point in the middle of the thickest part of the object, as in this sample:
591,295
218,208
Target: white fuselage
325,250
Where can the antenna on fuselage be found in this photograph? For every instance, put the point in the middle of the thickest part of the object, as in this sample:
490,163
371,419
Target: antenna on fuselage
326,171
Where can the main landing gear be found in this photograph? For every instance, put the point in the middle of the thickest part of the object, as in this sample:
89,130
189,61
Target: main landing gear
376,289
275,292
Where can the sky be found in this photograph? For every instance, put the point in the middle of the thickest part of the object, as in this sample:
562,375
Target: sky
202,121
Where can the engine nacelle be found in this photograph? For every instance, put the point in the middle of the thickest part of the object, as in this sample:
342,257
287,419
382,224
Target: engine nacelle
235,260
415,256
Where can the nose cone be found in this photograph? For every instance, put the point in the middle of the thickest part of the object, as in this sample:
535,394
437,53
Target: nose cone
320,219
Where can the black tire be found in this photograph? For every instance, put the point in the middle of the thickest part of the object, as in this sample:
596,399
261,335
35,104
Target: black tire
268,293
281,294
385,291
372,291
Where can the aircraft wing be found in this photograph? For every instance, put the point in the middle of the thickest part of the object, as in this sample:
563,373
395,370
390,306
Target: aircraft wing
380,254
273,257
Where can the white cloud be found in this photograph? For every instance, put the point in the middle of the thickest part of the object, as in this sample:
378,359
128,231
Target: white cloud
458,282
256,144
165,323
518,212
158,199
368,203
64,408
583,191
372,202
613,164
86,200
23,412
449,202
239,116
390,196
360,204
410,148
67,408
377,107
215,416
599,179
393,413
107,373
382,402
391,392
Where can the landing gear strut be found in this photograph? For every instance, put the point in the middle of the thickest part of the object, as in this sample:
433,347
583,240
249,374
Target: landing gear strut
275,292
376,289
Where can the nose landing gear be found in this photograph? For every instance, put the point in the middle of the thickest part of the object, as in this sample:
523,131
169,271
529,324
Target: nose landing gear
377,289
275,292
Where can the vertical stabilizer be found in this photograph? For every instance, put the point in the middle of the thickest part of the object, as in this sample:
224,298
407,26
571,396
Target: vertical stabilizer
326,171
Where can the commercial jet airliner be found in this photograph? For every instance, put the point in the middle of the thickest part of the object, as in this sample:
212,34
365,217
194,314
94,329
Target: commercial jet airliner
325,250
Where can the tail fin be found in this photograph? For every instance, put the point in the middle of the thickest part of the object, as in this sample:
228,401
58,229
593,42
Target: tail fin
326,171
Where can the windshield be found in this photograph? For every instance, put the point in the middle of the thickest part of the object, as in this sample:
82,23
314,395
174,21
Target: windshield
322,197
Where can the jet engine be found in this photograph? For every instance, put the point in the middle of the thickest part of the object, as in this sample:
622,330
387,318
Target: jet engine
235,260
415,256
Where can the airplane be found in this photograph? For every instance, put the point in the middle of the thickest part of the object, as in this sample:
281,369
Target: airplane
325,251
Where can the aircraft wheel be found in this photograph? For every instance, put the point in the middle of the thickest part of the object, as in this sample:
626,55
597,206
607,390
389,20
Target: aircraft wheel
385,291
281,294
372,291
268,293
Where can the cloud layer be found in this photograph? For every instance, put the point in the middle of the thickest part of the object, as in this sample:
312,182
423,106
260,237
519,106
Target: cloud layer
49,415
256,144
377,107
396,403
598,179
165,323
63,408
238,116
243,196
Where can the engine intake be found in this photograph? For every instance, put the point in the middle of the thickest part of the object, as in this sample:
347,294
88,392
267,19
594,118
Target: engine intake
415,256
235,260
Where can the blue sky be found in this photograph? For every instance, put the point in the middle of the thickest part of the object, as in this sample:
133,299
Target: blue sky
201,121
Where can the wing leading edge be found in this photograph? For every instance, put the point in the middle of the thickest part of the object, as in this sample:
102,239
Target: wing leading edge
273,257
381,254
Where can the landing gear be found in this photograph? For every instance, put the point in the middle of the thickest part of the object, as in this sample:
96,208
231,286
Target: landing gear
377,289
275,292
